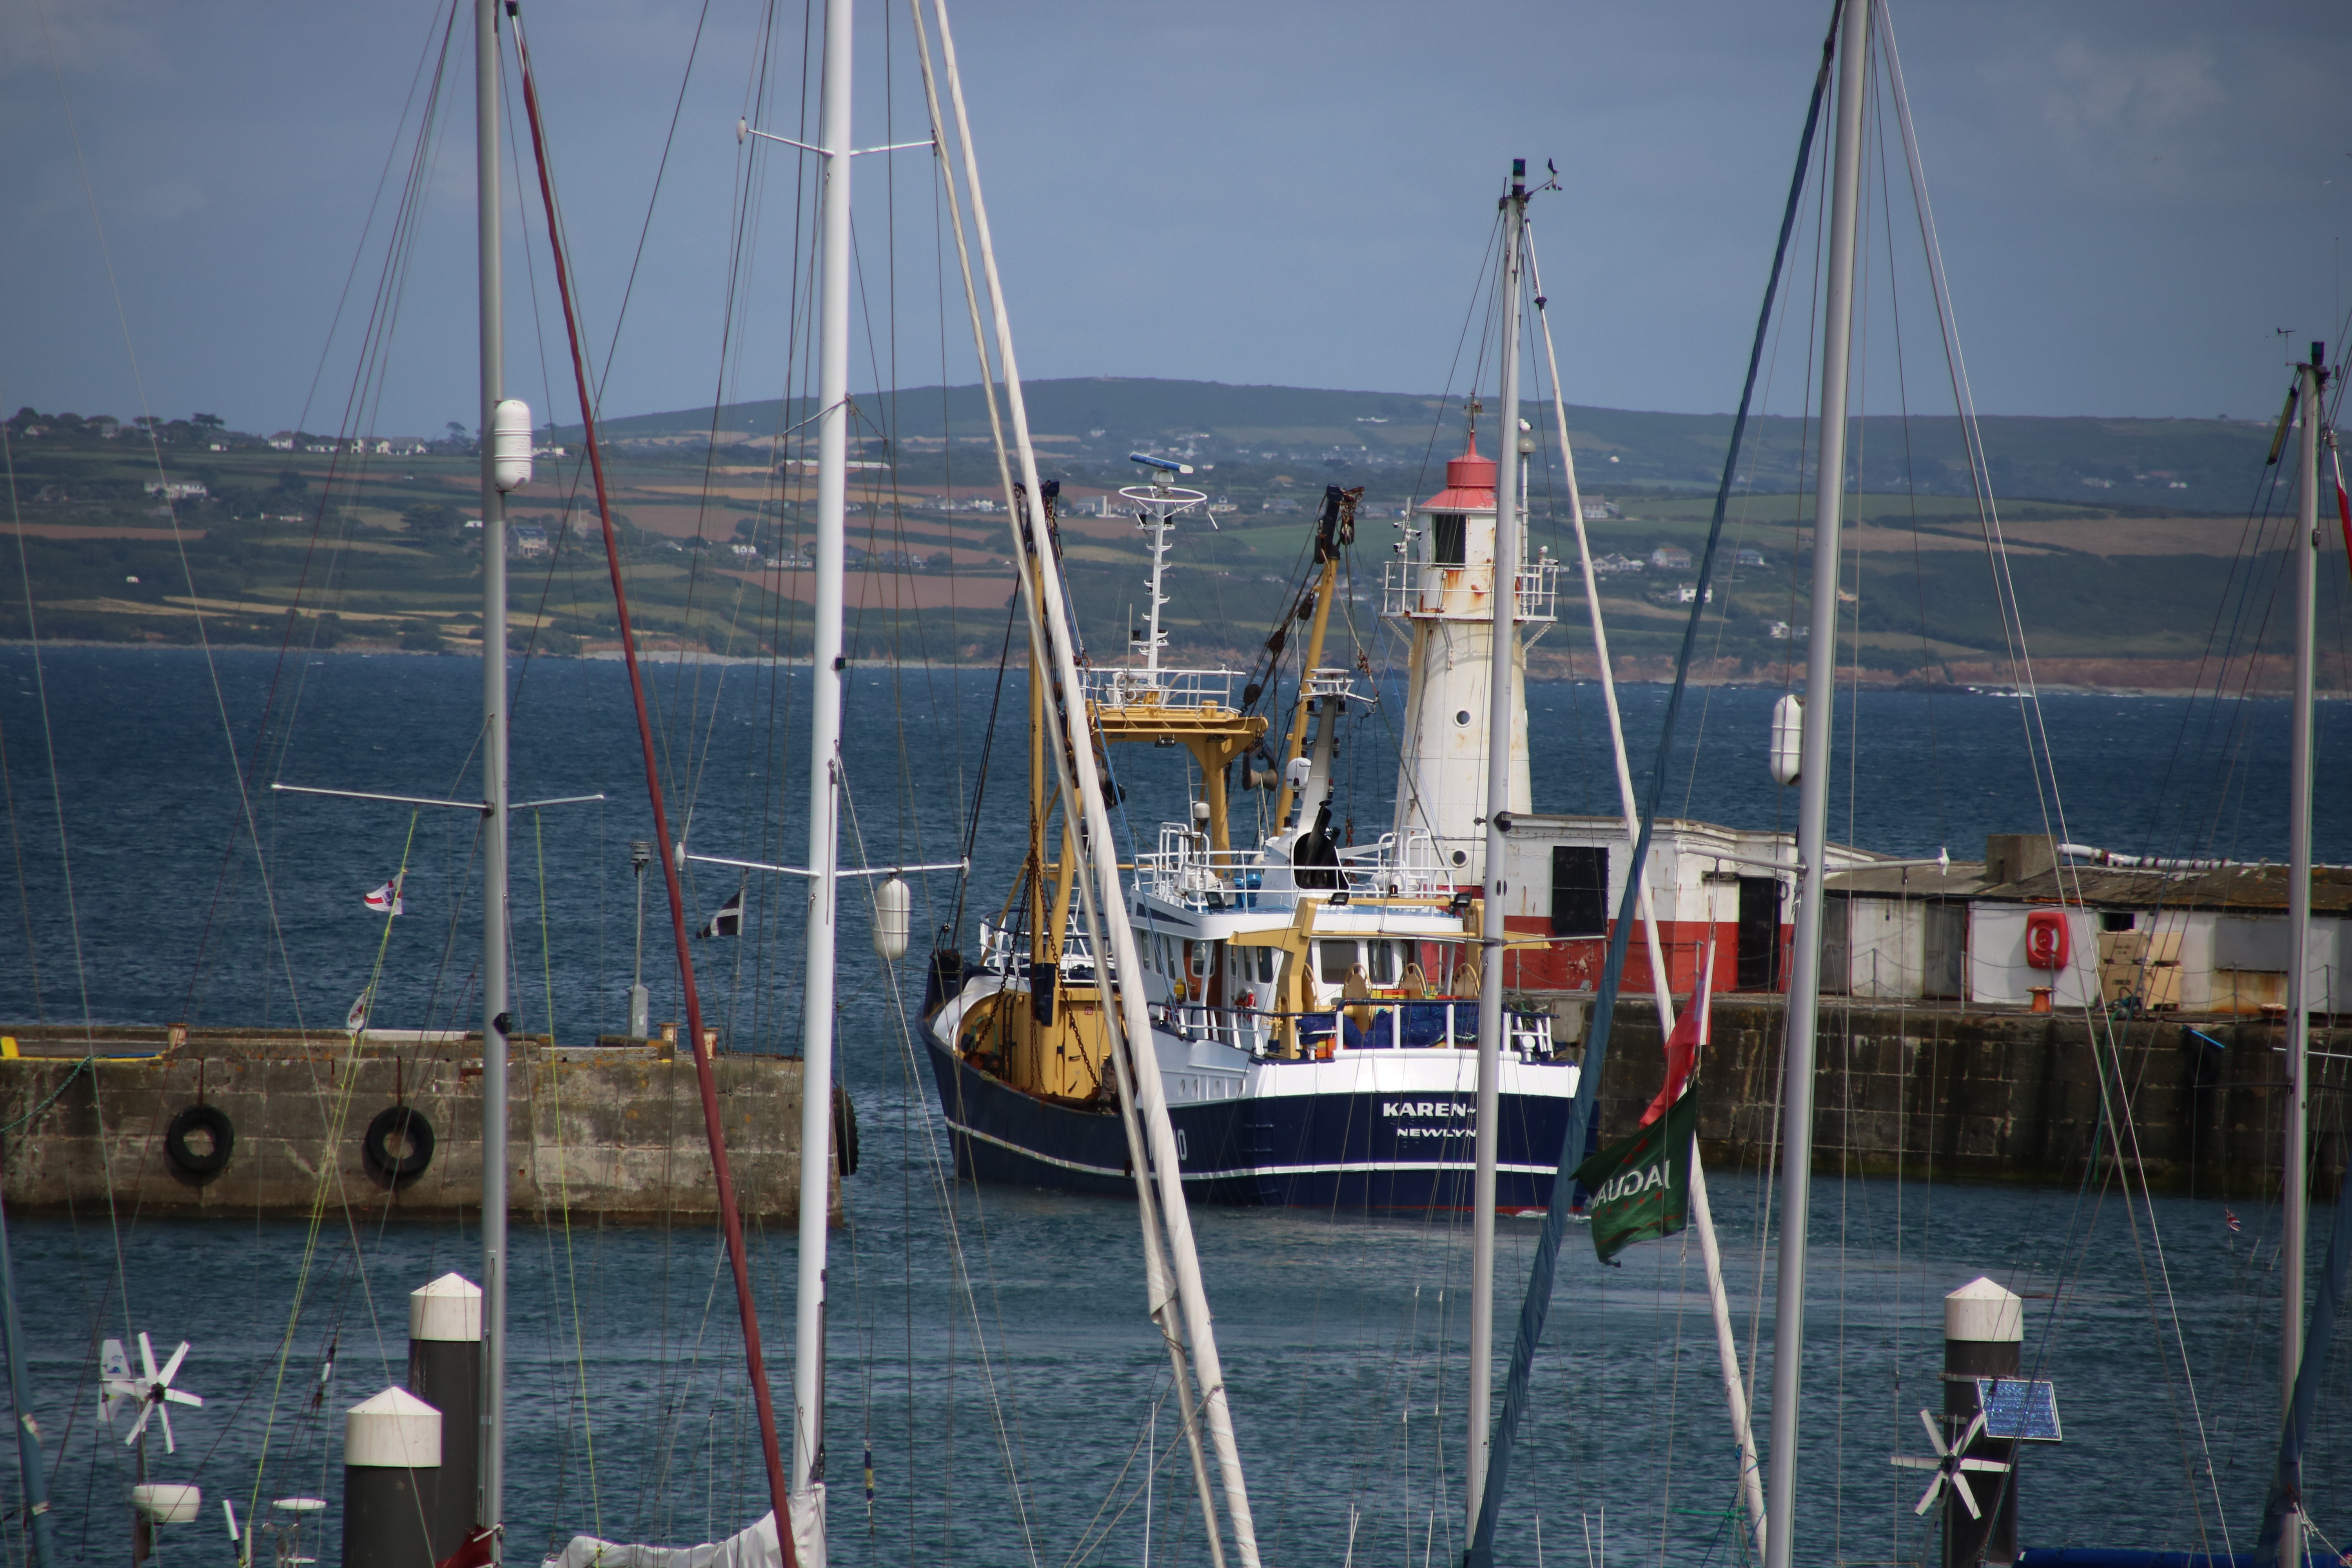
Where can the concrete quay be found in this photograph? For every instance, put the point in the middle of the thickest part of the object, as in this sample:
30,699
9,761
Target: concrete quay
1947,1092
277,1124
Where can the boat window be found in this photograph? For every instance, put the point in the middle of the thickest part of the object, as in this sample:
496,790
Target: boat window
1266,966
1202,957
1445,539
1339,957
1382,962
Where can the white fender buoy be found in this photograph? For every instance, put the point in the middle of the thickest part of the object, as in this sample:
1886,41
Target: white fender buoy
1788,740
166,1502
892,905
510,444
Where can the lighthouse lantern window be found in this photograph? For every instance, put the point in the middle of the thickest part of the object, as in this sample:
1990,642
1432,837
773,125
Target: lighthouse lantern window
1446,540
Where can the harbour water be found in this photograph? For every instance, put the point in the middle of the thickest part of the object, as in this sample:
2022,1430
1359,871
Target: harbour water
988,1346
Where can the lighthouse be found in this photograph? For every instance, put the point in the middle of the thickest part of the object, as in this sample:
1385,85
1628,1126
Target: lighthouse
1440,593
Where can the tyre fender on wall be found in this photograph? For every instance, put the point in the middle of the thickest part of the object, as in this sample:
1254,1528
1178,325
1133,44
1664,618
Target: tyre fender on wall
391,1124
211,1128
844,1133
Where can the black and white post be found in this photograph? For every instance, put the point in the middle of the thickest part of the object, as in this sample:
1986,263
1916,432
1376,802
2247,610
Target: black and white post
1984,1335
391,1465
445,1370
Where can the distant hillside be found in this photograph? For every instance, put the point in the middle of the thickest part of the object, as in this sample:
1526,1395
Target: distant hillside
2173,465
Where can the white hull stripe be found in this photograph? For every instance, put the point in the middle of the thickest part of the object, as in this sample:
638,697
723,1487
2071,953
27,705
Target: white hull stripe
1227,1174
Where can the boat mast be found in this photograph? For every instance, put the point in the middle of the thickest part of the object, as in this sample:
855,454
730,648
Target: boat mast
825,763
1814,800
1503,597
1048,616
2294,1154
1751,1480
494,1020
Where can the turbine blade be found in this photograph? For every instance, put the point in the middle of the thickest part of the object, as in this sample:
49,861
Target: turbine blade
163,1415
229,1509
1968,1499
180,1396
1934,1432
1984,1464
1927,1498
145,1410
1975,1430
1911,1462
171,1368
147,1357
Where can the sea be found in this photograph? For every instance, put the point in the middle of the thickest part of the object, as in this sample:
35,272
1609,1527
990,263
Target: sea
990,1363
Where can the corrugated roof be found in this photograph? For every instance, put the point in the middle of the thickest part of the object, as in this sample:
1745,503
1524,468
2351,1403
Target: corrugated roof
2254,887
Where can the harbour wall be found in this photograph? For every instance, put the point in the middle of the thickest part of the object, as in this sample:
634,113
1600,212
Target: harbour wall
1949,1093
610,1131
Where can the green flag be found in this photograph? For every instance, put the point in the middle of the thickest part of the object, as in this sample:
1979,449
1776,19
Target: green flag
1640,1188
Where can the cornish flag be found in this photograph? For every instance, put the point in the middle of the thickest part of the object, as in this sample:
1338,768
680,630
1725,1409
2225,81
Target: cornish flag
386,901
729,920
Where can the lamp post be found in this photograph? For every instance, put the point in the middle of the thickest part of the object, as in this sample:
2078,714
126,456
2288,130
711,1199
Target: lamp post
641,855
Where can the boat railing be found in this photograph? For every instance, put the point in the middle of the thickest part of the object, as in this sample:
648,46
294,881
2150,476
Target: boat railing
1418,588
1187,871
1124,688
1408,868
1397,1024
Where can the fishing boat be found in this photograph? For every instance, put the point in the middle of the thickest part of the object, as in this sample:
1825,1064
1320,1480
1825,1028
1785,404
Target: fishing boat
1314,1004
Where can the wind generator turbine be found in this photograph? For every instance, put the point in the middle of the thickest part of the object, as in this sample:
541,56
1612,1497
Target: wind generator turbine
150,1393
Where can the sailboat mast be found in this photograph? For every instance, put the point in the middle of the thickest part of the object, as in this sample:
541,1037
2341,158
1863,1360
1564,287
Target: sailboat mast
824,758
1813,801
494,1020
1503,598
2293,1154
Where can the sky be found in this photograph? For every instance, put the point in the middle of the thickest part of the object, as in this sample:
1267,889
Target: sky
2134,198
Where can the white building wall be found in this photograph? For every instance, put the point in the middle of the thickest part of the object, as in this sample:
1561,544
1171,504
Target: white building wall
1887,940
1998,973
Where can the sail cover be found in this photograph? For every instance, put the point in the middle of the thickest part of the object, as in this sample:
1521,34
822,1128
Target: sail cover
753,1548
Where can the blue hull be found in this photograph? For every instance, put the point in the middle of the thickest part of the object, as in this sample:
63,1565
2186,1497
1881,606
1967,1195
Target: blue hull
1327,1150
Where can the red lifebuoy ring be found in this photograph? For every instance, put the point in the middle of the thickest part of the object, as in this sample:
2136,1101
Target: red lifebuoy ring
2045,939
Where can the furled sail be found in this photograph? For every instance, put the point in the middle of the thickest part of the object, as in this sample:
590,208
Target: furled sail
753,1548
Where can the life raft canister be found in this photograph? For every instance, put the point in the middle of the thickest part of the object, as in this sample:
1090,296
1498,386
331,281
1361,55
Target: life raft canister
2045,938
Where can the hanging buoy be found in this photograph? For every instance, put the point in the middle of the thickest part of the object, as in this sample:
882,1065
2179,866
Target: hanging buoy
892,903
510,444
1788,740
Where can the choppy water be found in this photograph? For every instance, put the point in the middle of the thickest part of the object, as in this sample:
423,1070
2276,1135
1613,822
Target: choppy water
984,1336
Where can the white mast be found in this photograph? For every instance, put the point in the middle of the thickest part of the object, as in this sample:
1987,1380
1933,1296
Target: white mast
825,761
1503,598
1096,844
494,1020
2292,1156
1727,1348
1812,810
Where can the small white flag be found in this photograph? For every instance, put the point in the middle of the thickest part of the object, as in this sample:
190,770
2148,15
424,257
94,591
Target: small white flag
386,901
356,1019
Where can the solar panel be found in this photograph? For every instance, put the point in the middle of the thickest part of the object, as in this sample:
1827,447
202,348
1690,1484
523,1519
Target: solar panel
2020,1409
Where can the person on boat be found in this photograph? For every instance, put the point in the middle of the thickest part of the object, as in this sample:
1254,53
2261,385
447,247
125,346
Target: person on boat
1317,859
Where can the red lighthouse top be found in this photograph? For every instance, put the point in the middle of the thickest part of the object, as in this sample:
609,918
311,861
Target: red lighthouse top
1469,483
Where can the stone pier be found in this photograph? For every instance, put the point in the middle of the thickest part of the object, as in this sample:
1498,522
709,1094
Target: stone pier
611,1130
1939,1091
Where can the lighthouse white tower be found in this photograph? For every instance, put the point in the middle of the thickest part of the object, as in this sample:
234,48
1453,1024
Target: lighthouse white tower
1440,593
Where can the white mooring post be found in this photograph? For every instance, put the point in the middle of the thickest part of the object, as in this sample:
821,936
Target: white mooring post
445,1370
1984,1335
391,1463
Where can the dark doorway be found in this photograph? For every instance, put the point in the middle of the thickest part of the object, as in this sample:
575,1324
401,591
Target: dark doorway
1579,889
1946,935
1760,933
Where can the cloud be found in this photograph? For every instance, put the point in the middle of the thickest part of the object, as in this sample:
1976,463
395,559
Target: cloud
2117,114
